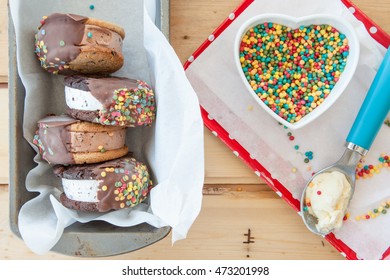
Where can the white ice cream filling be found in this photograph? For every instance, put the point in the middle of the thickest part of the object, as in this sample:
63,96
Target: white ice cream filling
81,100
81,190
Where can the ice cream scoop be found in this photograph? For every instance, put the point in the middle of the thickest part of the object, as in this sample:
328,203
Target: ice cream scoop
326,196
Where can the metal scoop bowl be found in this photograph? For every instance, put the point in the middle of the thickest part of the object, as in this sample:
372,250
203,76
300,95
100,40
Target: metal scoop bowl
346,165
369,120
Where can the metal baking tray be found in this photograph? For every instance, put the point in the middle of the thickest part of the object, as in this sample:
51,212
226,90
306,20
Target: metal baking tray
94,239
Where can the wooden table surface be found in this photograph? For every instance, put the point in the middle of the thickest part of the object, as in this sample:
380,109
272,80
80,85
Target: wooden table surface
244,202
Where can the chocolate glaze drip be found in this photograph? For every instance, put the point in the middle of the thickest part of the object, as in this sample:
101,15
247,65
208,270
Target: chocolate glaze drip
102,88
54,139
61,35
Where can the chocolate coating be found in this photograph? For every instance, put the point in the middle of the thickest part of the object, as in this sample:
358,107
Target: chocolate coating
53,139
58,41
70,44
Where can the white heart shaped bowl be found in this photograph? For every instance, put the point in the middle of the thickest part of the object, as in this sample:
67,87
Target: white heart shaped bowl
339,23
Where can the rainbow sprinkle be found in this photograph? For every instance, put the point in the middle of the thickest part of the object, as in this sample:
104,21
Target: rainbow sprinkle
293,70
130,107
369,170
382,209
132,187
308,155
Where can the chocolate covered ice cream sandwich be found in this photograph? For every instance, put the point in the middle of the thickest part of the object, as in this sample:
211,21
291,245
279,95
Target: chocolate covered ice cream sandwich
64,140
101,187
110,100
69,43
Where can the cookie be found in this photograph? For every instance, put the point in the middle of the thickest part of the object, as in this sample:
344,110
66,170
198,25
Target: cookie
69,44
110,100
64,140
101,187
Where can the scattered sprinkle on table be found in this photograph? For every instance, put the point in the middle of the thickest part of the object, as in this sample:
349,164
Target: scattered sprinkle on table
308,156
382,209
369,170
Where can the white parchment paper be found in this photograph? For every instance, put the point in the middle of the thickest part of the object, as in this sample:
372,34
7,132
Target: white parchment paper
222,93
172,147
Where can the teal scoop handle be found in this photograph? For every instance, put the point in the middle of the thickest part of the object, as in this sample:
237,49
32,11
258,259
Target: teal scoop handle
374,109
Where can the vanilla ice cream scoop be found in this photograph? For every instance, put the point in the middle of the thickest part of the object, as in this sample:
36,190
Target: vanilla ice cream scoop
327,199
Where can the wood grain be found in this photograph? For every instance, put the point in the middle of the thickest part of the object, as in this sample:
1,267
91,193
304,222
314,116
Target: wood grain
218,233
4,135
3,42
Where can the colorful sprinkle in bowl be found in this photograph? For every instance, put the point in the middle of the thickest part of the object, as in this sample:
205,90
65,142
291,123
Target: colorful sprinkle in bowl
287,74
